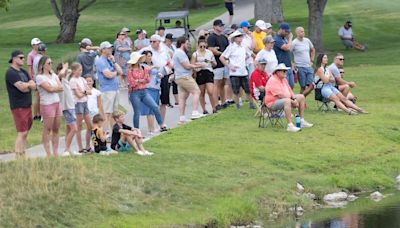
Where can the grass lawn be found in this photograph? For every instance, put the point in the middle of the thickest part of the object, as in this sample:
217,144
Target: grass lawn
19,26
223,169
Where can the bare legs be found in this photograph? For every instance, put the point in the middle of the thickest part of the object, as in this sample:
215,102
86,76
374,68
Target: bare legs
51,125
20,144
79,119
209,87
70,131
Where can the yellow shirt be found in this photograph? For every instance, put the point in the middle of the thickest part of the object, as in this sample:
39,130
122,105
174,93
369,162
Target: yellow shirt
258,38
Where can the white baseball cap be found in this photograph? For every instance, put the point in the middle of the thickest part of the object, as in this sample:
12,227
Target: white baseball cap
35,41
261,24
268,25
155,37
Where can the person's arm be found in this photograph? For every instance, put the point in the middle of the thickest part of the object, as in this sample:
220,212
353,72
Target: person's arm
312,55
100,104
341,81
286,47
212,46
126,132
51,89
193,60
102,135
321,75
213,61
23,86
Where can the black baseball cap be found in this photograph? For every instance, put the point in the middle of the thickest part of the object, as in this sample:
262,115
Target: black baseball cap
139,30
15,54
169,36
160,28
218,22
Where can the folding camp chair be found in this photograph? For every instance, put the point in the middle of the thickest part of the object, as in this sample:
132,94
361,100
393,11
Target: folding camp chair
322,102
271,117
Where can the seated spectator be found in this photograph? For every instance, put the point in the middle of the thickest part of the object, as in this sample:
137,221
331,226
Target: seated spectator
258,80
279,95
346,35
326,82
99,136
124,135
343,85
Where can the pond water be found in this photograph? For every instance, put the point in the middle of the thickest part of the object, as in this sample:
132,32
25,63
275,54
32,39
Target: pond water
362,214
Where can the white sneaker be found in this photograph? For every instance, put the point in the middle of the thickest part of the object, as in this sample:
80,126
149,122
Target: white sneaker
148,153
103,152
74,153
112,152
305,124
65,154
292,128
196,115
141,153
182,120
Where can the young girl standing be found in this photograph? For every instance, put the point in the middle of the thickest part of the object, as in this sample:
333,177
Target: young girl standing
81,91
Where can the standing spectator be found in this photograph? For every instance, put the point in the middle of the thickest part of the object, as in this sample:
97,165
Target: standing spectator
108,71
141,41
81,91
49,86
31,56
229,7
343,85
217,44
161,32
268,54
153,89
68,108
278,95
87,56
304,53
19,86
346,36
282,46
128,39
171,47
248,42
36,104
268,29
138,78
183,77
122,52
237,55
259,35
258,81
204,75
95,104
162,60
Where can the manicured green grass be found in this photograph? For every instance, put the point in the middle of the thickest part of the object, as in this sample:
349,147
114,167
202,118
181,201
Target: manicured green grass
99,22
223,169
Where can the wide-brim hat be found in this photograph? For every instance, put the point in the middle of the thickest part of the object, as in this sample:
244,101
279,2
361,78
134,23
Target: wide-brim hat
135,57
235,34
281,66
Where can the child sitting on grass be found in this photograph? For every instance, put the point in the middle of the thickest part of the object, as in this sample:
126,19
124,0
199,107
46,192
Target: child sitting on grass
123,136
99,136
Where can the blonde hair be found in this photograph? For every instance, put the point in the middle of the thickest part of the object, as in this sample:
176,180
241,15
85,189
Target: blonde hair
75,66
117,114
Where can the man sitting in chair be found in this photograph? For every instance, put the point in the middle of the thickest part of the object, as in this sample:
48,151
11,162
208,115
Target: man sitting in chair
279,95
258,80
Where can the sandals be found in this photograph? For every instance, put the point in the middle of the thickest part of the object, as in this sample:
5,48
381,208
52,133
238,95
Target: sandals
84,151
352,113
163,129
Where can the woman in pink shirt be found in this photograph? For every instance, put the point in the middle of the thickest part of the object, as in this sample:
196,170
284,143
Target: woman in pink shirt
279,96
138,78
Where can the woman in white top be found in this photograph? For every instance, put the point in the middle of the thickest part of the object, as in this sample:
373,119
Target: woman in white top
50,108
268,54
328,90
204,75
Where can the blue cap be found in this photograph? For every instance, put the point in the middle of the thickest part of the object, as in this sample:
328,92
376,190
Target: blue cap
285,26
245,24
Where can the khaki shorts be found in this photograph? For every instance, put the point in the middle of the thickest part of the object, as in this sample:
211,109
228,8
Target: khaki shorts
187,84
110,101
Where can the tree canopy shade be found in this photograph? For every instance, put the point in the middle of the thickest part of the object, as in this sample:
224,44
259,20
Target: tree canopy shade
315,15
4,4
268,10
68,17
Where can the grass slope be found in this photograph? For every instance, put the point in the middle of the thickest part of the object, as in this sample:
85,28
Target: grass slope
20,25
223,169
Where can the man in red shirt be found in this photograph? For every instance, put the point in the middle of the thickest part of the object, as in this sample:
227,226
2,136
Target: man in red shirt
258,80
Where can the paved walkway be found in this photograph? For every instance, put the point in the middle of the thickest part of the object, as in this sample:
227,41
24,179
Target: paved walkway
244,10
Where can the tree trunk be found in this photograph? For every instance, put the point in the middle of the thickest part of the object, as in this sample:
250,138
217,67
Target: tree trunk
68,18
193,4
315,15
68,22
268,11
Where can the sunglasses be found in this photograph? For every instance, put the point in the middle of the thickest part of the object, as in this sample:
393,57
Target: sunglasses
342,72
202,46
341,59
21,57
153,41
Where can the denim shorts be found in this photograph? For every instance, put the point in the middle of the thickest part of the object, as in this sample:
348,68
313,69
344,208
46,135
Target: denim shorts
328,89
69,116
122,146
278,105
81,108
290,77
306,76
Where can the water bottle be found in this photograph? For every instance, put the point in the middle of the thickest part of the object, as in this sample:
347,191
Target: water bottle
298,123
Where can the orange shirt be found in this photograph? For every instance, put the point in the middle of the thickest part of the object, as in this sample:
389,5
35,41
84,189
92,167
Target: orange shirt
277,89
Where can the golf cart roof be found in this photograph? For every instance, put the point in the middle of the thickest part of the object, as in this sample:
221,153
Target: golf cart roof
172,15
